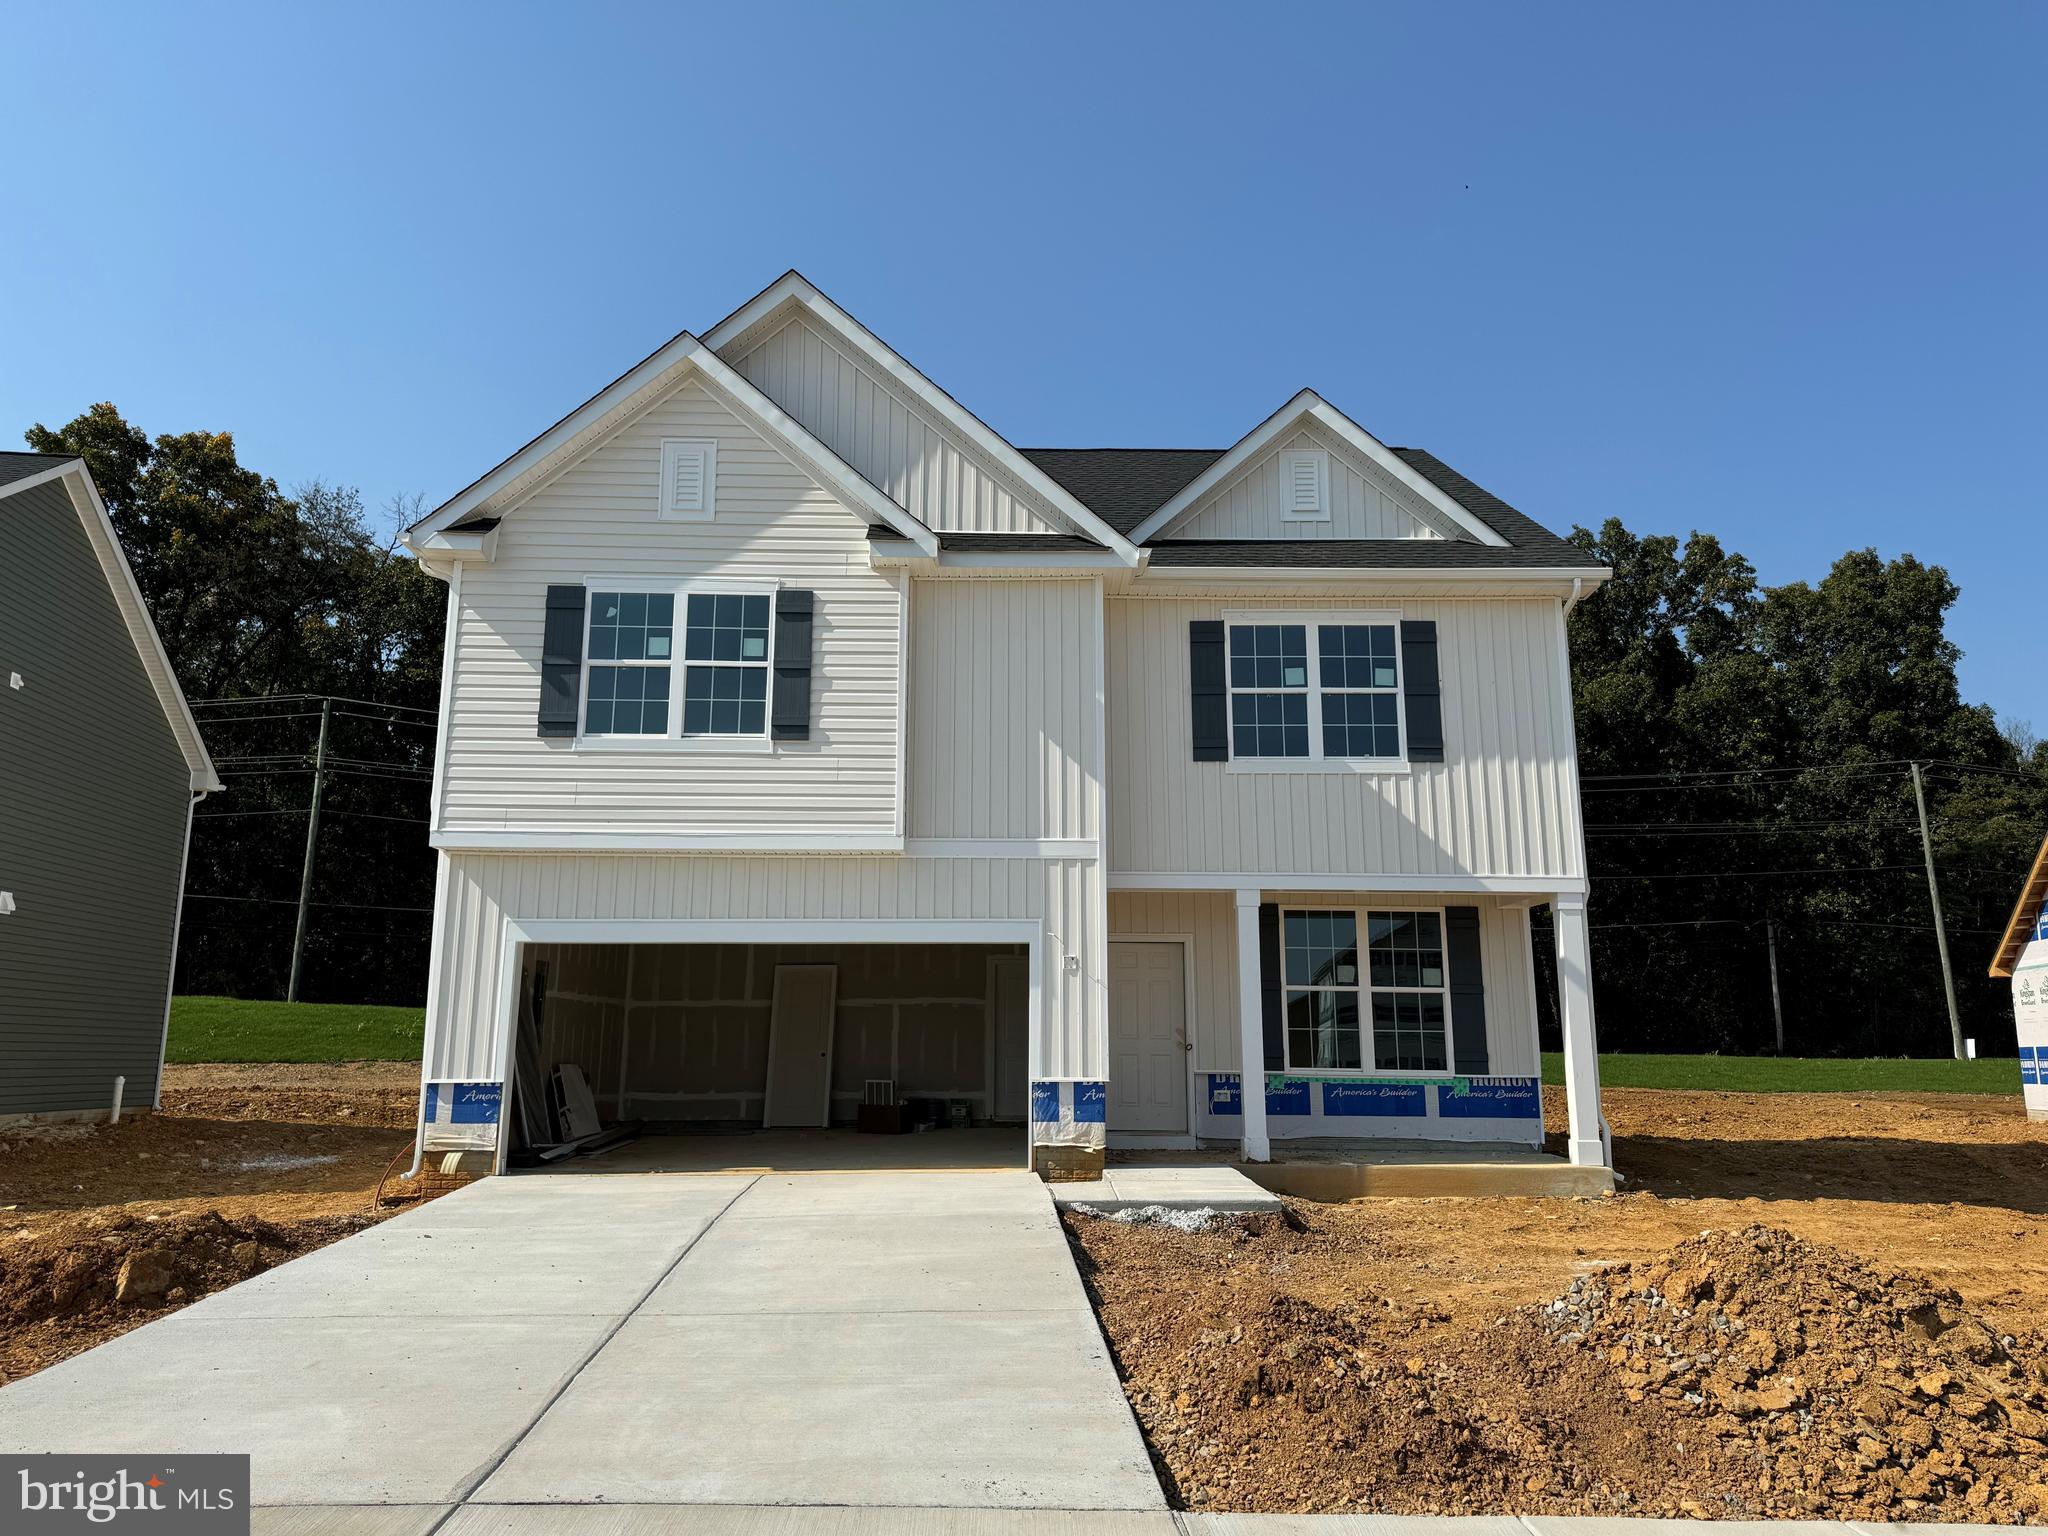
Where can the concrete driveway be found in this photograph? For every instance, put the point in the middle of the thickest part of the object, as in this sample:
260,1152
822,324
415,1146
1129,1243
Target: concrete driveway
888,1340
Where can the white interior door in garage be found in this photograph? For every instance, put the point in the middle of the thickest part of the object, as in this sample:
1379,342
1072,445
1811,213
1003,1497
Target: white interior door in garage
800,1046
1148,1042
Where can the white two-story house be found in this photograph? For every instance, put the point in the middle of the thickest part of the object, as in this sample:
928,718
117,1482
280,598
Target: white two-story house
803,743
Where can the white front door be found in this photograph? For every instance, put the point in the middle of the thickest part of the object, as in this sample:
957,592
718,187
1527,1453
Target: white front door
800,1045
1148,1049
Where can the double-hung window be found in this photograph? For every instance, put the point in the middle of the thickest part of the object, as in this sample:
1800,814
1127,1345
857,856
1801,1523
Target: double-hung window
1391,1015
725,665
632,640
632,688
1315,688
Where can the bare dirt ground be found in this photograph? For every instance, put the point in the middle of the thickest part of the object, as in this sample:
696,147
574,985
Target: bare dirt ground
105,1227
1860,1338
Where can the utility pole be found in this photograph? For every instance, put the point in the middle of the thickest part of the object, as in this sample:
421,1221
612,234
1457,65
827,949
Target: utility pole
1777,1007
313,837
1948,978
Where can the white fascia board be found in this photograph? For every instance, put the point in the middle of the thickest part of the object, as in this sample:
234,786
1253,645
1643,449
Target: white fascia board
1305,407
794,287
454,548
614,840
662,369
1545,886
1025,560
149,646
787,930
1542,579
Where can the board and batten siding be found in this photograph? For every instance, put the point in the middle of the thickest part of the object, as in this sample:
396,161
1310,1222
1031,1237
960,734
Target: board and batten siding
1503,802
1210,919
479,892
923,464
1005,730
94,799
1364,504
598,518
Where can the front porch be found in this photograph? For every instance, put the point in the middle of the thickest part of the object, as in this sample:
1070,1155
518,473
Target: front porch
1325,1023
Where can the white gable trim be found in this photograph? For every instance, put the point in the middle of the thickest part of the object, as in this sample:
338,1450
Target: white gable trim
1305,407
794,287
99,528
575,434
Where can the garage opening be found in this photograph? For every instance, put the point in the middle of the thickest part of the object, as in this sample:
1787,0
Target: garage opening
706,1057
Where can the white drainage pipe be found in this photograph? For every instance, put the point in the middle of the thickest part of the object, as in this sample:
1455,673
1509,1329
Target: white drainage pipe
120,1086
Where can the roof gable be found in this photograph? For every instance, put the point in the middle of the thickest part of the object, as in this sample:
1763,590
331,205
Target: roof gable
1359,501
2027,916
1304,409
576,434
765,314
17,475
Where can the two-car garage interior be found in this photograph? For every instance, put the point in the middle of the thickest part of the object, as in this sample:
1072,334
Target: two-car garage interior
702,1056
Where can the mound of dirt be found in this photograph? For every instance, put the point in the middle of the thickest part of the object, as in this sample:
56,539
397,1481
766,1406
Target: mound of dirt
89,1277
1741,1374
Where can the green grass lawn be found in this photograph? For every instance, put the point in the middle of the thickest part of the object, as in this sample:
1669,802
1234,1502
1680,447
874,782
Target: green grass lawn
235,1029
1800,1074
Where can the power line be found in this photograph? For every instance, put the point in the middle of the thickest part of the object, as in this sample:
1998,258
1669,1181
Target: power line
283,901
289,698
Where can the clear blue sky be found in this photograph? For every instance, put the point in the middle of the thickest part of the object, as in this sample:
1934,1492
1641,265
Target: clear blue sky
1775,271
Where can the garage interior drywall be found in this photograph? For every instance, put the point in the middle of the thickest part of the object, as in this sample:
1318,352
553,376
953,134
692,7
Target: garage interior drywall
679,1033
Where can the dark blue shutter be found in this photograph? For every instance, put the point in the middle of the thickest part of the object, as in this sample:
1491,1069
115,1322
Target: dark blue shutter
1422,695
1208,691
1468,991
1272,1008
790,717
561,662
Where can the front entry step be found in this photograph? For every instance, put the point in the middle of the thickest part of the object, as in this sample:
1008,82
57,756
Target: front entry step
1209,1186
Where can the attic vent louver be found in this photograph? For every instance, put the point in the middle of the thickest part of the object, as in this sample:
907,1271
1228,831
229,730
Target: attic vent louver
1307,487
689,473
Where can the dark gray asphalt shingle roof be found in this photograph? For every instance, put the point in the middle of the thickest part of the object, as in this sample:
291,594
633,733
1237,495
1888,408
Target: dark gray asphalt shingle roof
1124,486
19,466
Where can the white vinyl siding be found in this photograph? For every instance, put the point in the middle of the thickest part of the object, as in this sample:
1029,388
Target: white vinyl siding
1359,500
598,523
1210,919
1005,735
480,891
1504,801
924,465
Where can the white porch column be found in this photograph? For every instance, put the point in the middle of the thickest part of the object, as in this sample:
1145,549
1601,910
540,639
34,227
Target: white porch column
1251,1032
1581,1041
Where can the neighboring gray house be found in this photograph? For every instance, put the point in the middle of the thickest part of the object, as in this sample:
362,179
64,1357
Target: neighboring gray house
100,766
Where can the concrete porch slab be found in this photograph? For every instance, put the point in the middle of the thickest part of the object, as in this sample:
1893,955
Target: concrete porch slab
1435,1173
1178,1187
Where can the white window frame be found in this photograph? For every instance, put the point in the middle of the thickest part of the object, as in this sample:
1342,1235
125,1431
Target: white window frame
1315,762
674,740
1362,918
671,449
1321,460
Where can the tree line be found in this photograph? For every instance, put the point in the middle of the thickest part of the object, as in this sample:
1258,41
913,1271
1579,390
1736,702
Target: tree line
1744,752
